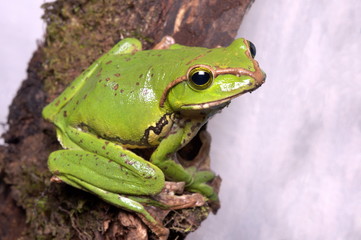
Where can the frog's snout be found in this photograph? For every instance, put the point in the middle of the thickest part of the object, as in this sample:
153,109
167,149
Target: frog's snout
262,79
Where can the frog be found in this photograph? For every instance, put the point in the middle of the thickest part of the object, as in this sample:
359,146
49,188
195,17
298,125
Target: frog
158,99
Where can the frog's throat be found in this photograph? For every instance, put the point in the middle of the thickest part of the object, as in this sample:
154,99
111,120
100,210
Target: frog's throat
258,75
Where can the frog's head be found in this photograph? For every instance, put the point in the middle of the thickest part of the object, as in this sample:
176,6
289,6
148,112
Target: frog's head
214,77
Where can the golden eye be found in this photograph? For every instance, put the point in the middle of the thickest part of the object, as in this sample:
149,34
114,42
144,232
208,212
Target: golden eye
200,78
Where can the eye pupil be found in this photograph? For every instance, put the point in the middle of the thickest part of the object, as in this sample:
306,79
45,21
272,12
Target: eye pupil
200,78
252,49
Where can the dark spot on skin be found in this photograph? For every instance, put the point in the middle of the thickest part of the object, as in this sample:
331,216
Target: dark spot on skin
115,94
107,79
109,161
121,90
77,102
103,147
152,75
141,75
149,177
64,98
57,103
107,153
109,62
189,134
116,87
122,155
117,74
85,96
72,87
127,59
87,155
159,55
65,114
81,141
137,83
106,142
100,80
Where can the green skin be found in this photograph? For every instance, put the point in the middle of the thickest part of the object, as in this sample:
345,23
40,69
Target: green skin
130,99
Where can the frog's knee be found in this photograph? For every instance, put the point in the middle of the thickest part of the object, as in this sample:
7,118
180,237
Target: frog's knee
155,182
54,161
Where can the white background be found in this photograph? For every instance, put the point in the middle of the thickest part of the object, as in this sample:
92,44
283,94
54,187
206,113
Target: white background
289,153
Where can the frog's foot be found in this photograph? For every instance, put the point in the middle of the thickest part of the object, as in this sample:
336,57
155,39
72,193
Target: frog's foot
168,197
165,43
170,201
199,183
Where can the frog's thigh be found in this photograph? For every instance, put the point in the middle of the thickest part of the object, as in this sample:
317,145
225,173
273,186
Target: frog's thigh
83,169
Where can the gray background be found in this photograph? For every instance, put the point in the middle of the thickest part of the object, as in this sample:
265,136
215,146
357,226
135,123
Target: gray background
289,153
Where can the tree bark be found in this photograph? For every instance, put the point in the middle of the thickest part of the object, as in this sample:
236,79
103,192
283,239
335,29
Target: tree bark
78,32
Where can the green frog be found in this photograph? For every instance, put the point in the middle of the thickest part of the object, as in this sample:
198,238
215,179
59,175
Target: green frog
145,99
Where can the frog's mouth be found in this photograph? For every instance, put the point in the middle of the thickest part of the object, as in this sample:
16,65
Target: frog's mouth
212,105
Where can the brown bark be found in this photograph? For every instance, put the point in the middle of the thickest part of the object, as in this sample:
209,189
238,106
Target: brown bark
77,33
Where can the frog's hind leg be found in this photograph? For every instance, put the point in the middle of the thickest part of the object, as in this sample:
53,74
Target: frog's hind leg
105,178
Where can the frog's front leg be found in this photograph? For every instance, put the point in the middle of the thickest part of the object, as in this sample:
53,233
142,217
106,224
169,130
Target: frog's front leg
180,134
